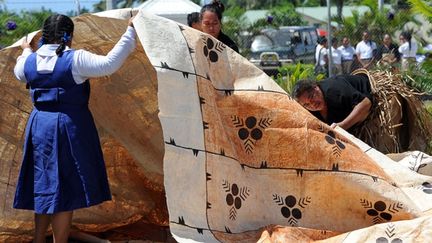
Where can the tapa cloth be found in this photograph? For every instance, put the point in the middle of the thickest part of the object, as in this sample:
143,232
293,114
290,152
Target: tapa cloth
124,106
241,154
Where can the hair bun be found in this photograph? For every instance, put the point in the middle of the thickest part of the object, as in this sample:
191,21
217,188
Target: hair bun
219,4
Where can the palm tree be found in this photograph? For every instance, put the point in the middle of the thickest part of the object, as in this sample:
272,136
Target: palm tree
377,22
421,7
25,22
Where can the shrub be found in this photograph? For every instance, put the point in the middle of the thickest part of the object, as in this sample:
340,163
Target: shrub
288,75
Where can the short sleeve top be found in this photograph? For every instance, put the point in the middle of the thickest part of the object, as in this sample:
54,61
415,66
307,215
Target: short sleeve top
347,53
341,94
405,50
320,56
384,49
337,56
365,49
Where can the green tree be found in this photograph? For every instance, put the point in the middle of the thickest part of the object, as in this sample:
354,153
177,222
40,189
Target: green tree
234,24
259,4
311,3
243,33
421,7
288,76
285,15
26,22
420,77
377,22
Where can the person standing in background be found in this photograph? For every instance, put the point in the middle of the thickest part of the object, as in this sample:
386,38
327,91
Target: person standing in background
211,23
387,53
320,41
336,58
348,55
365,51
321,58
63,167
408,50
193,20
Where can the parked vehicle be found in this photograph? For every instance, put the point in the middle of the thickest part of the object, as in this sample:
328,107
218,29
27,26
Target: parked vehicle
274,48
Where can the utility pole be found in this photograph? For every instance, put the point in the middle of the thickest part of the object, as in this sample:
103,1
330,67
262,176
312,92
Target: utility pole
77,2
109,4
329,40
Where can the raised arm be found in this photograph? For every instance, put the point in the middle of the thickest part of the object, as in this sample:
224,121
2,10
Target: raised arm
359,113
19,66
87,64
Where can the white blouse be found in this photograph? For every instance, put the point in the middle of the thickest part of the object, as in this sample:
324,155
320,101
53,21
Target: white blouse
336,56
406,52
365,50
320,56
347,52
85,64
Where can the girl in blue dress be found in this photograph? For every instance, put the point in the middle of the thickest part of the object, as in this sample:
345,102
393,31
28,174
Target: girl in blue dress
63,167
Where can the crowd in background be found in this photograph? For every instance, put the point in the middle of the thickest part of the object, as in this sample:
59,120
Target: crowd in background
345,57
209,20
366,54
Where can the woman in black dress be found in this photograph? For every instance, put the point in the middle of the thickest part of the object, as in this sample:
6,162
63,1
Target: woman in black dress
211,22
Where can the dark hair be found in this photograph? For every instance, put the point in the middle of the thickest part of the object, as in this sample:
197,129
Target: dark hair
321,40
57,29
368,32
193,18
407,36
303,86
216,6
334,40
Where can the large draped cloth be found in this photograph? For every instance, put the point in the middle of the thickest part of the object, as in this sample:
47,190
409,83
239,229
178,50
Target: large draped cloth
241,154
237,159
124,106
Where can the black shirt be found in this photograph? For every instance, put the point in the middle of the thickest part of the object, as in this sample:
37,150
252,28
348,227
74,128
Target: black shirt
341,94
227,41
382,49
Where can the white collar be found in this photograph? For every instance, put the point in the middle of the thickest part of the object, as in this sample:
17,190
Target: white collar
49,50
46,57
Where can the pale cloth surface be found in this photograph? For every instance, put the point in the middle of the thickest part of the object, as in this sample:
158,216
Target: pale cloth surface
240,154
124,106
414,160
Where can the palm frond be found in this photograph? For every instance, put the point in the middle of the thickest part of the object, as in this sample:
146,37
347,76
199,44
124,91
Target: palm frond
372,4
421,7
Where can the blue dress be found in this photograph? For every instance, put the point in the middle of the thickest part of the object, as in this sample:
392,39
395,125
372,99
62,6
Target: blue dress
63,167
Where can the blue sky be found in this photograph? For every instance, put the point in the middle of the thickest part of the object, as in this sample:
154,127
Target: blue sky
60,6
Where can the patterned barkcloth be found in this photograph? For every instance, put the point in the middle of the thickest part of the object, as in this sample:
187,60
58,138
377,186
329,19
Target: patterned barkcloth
240,155
242,161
